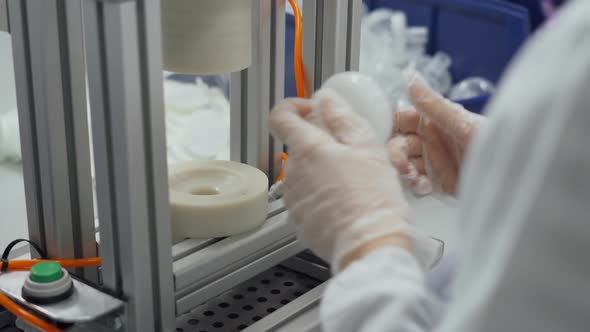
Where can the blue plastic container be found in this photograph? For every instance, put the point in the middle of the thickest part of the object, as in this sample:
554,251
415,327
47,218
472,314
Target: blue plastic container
481,36
290,85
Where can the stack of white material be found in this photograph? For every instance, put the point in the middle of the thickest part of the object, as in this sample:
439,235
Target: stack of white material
197,122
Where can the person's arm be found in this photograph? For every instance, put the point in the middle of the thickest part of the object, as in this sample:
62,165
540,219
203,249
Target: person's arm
344,196
392,240
430,139
384,290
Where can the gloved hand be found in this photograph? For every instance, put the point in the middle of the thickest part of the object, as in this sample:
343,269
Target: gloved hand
430,140
342,191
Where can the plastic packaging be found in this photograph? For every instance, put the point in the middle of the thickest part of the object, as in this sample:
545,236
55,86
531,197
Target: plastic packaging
417,40
9,137
383,51
436,72
472,87
390,49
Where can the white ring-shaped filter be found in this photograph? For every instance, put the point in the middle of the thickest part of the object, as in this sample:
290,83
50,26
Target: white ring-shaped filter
216,198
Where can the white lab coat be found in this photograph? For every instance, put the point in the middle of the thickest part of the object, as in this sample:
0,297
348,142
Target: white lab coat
525,200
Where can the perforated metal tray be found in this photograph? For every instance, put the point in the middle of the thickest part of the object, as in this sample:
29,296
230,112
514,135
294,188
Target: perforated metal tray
249,302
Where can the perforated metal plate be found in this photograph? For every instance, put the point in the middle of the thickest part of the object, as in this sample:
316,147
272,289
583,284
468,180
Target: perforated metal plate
247,303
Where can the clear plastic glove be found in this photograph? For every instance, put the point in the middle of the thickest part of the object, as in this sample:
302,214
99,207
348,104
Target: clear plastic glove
430,140
341,189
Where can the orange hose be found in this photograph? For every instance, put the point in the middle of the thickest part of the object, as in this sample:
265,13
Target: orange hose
300,77
301,81
283,167
23,314
65,263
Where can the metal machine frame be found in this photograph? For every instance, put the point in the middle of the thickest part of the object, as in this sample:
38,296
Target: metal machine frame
101,59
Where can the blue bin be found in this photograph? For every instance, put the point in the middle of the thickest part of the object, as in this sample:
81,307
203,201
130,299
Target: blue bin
290,85
481,36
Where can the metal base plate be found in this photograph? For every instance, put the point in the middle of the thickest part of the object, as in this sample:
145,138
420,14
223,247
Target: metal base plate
249,302
85,304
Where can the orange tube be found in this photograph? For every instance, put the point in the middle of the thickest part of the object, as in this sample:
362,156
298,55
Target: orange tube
65,263
23,314
300,77
283,167
301,81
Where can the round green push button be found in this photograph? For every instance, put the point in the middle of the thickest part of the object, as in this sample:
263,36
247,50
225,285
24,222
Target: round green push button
45,272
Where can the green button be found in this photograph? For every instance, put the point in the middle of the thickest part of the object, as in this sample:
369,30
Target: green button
46,272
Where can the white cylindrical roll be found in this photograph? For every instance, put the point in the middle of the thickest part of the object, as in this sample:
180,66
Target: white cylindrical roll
206,36
216,198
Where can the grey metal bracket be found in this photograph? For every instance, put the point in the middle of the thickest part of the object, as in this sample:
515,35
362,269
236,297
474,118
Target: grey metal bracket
48,54
4,26
300,315
331,38
253,91
86,304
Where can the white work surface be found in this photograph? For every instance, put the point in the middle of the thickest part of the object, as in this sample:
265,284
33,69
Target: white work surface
436,217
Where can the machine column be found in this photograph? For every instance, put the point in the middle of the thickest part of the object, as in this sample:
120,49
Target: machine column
123,40
51,83
255,90
331,37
